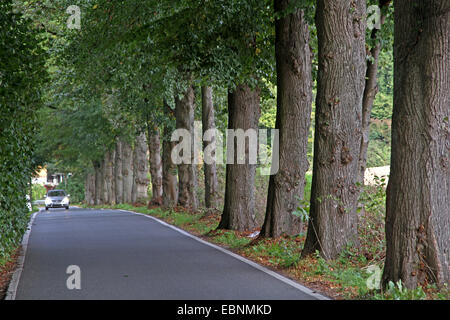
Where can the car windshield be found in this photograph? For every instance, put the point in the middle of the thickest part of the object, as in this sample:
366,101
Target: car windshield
56,194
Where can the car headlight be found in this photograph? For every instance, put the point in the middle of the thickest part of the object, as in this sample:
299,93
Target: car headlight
48,201
65,200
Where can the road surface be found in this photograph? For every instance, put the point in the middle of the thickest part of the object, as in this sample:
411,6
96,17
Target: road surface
122,255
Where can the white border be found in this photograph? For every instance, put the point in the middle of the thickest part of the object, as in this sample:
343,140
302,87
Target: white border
12,288
236,256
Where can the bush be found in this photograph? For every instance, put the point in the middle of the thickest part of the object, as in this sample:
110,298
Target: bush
379,150
22,70
38,192
75,187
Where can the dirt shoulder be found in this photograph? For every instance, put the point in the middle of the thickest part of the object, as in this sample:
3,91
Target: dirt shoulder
6,273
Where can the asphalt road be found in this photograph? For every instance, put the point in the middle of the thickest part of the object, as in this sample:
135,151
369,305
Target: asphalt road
126,256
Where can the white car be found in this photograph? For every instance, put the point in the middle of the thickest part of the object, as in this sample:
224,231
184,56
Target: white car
57,199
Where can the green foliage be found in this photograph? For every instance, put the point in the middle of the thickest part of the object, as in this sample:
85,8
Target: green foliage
379,150
22,72
302,210
284,253
342,272
396,291
371,215
308,180
38,192
442,293
269,108
74,134
181,219
74,186
230,239
373,197
380,137
382,106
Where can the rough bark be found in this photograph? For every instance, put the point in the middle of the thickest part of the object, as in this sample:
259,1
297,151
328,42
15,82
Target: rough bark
107,178
370,92
418,195
112,177
134,184
90,189
87,194
210,170
170,181
127,171
154,146
187,176
169,169
140,167
239,206
342,67
98,182
104,182
294,99
118,173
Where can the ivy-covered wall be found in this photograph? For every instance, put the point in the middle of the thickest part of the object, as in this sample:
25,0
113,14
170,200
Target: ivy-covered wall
22,71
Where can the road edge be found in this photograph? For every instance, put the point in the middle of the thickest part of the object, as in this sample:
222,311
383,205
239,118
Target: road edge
14,283
253,264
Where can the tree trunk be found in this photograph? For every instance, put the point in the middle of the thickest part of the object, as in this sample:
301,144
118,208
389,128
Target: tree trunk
87,194
111,177
170,182
118,172
239,207
154,146
98,182
370,92
134,184
209,166
107,177
90,189
104,182
418,195
140,167
342,67
127,171
294,98
187,176
169,169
